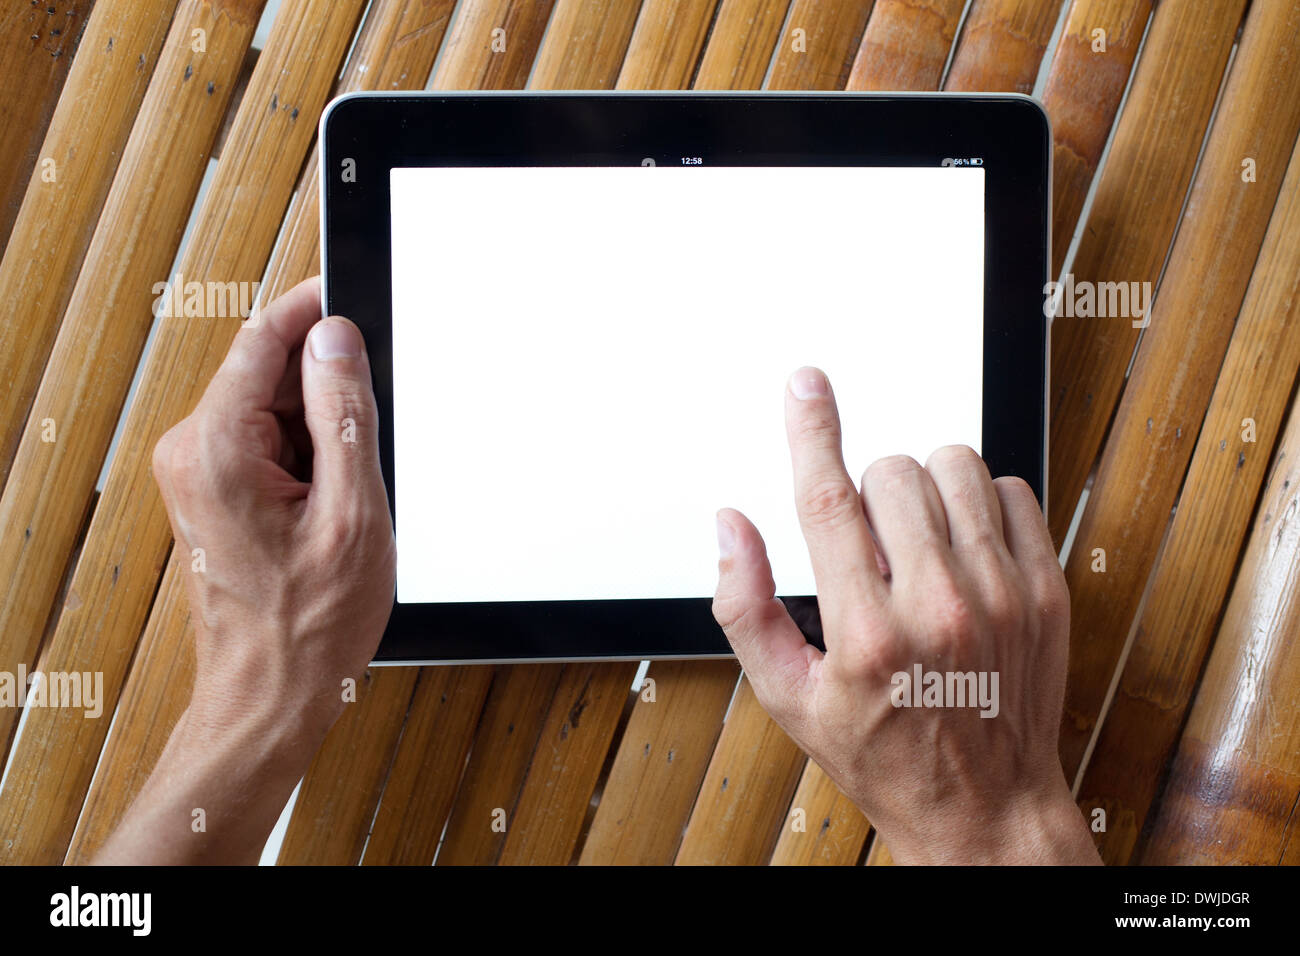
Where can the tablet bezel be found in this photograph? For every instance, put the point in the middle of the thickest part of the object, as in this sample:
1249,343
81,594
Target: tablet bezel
1008,133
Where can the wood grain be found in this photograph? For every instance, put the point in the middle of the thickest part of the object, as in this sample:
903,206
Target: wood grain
906,45
427,768
1235,782
37,43
879,854
740,47
566,766
818,45
1085,83
117,575
666,44
746,790
1179,359
660,763
1196,566
585,44
1002,45
507,737
155,695
108,319
834,830
491,45
40,264
341,788
1135,210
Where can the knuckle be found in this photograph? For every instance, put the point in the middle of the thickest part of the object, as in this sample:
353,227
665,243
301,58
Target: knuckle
1016,487
738,616
183,464
829,501
889,472
952,618
161,459
1004,605
816,428
953,456
1052,593
861,660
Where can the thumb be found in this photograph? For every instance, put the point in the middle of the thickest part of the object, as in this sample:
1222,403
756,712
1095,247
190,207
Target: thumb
339,406
768,643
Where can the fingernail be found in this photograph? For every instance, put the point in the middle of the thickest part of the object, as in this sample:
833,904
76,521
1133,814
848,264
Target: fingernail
809,383
334,339
726,538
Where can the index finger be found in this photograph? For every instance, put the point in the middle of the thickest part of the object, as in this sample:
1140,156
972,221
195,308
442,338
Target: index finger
830,509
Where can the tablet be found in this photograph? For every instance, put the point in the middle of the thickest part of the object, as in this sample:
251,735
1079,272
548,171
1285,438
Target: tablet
581,311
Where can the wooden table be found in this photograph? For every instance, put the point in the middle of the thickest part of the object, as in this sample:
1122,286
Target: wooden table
1180,719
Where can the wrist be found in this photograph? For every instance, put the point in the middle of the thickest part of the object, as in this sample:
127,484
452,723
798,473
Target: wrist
1037,827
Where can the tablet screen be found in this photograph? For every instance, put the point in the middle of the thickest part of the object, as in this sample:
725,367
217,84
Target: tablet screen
589,361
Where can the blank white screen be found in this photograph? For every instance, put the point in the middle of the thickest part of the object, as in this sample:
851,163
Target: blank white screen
588,362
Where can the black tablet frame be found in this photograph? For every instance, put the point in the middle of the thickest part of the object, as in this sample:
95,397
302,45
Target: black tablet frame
1008,135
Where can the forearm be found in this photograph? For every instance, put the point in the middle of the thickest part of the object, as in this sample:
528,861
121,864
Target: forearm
215,793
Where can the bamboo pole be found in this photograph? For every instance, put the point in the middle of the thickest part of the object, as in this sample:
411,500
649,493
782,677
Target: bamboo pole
585,44
1085,83
37,44
666,44
823,827
906,45
1002,44
740,46
1235,781
659,764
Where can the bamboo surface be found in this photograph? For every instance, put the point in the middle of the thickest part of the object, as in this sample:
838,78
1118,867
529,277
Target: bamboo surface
1190,585
37,45
40,265
906,45
1178,360
1135,212
558,764
1232,792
